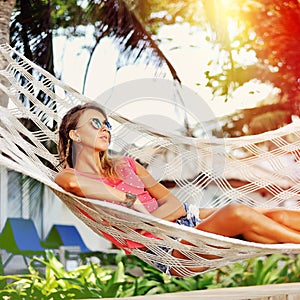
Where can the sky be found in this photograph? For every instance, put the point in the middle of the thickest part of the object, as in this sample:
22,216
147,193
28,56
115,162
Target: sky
189,62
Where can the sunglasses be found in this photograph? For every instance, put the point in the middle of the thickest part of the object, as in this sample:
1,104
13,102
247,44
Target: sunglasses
97,124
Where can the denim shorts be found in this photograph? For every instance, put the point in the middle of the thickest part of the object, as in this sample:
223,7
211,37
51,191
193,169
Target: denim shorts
191,219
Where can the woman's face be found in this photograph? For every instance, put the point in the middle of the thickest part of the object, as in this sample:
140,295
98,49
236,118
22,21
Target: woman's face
90,132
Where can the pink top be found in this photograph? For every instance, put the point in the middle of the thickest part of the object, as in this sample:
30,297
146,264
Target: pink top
129,182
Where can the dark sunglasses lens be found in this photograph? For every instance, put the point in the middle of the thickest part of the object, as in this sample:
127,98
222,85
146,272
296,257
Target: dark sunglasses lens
108,125
97,124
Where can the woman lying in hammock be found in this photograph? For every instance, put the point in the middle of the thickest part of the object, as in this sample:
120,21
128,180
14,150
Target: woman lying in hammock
84,138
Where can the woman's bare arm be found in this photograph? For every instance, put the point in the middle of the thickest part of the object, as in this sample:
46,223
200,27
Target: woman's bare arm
87,187
170,208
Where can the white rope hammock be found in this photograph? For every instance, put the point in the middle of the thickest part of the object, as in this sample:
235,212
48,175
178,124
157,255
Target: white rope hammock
213,164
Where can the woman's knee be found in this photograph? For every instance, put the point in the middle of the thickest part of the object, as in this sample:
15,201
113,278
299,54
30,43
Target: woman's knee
280,216
239,211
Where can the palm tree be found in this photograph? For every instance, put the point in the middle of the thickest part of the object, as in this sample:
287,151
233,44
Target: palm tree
5,13
133,24
34,22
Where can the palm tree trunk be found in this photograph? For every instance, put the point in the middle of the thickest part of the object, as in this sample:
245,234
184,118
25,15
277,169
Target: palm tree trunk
6,8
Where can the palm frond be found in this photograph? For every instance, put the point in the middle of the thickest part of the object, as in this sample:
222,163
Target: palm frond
116,20
31,32
31,35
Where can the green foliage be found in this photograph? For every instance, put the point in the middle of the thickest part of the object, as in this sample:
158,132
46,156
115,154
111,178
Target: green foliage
87,281
133,277
273,269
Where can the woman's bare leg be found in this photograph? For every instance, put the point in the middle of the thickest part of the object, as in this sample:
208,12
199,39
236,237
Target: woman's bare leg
289,218
238,219
262,226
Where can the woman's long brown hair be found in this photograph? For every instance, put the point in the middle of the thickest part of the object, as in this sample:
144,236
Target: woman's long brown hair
66,152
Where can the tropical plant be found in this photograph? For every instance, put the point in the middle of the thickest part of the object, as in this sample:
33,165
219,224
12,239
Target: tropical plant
87,281
133,277
258,271
5,13
263,45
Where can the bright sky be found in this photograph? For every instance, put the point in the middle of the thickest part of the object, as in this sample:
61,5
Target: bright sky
189,62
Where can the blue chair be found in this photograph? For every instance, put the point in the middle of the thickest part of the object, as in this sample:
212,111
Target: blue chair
20,237
69,236
65,235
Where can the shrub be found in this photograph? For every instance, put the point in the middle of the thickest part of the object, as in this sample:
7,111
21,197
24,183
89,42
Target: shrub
96,281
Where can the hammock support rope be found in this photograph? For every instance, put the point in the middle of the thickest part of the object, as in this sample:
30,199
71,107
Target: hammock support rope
213,163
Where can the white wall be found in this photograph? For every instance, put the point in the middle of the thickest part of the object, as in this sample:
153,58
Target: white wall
3,196
56,212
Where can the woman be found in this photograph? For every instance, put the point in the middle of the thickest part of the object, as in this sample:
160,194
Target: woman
84,137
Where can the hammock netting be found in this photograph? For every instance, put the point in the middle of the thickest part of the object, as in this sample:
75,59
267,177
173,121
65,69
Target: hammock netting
213,163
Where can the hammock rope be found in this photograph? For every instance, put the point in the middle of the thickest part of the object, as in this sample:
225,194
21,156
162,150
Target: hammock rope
212,163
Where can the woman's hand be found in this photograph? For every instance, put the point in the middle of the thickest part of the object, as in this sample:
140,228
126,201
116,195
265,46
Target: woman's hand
170,208
138,206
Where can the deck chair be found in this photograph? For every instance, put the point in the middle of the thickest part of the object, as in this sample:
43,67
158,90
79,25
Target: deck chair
68,236
20,237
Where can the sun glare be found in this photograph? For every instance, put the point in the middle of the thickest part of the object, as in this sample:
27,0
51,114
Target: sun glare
187,48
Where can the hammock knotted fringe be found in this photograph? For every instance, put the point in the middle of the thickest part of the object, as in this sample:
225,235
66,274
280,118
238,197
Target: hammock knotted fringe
212,163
